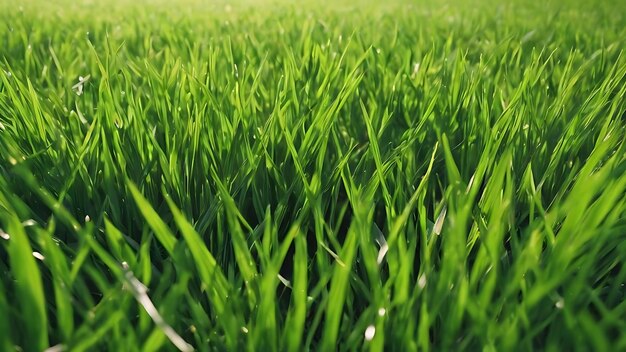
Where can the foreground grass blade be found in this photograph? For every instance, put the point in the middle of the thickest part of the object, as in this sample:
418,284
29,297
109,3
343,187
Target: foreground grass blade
29,287
161,231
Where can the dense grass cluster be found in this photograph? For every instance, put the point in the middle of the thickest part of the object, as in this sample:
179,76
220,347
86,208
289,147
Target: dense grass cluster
286,176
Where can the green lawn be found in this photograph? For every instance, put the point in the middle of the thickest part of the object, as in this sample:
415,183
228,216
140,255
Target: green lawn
331,175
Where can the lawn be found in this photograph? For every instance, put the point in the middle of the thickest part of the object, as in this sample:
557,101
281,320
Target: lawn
324,175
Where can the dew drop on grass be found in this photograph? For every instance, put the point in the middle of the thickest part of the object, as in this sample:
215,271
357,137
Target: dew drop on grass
370,332
29,223
244,329
4,235
56,348
560,303
416,69
381,312
421,282
39,256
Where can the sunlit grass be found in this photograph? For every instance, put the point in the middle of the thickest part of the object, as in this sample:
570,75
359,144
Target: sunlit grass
327,175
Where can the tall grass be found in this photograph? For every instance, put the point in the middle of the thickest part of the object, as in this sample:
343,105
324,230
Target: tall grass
282,176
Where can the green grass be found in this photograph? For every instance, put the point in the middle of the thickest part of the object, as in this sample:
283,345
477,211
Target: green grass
282,176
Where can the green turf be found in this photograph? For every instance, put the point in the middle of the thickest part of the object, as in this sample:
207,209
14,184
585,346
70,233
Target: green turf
428,175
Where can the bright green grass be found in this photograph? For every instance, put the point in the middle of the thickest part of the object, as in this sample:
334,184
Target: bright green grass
246,162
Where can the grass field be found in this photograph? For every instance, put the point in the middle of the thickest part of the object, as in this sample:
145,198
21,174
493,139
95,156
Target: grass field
330,175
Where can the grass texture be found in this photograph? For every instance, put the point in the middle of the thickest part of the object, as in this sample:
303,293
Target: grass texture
312,176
